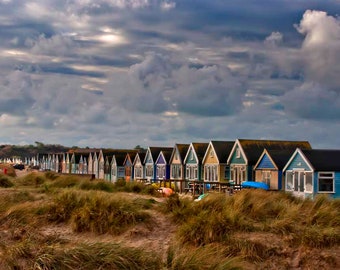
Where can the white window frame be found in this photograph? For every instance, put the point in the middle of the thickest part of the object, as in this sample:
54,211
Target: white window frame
161,171
176,171
331,175
148,170
211,172
238,153
295,182
238,170
227,172
114,170
192,172
291,187
138,170
266,176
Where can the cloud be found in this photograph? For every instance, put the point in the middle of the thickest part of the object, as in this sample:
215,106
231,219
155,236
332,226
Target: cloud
57,45
167,5
274,39
321,48
313,101
157,86
16,97
132,72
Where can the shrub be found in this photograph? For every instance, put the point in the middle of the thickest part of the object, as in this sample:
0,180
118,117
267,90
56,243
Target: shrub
51,175
66,181
63,205
120,182
97,185
10,171
32,179
5,182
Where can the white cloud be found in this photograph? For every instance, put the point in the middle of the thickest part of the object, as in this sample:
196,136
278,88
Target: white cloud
274,39
321,48
167,5
56,45
313,101
112,3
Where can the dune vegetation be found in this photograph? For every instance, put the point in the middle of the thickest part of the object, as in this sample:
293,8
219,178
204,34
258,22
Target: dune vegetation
51,221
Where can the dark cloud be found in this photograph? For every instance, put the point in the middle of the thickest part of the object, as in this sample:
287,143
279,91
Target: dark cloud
138,71
312,101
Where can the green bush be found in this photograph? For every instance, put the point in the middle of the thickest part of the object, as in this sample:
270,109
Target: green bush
5,182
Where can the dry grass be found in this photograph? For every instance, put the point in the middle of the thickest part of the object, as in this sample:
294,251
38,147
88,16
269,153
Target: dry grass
209,257
250,230
32,250
5,181
217,217
96,211
10,171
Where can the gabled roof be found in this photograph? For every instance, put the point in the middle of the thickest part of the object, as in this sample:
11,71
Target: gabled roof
141,157
182,150
108,159
120,157
222,150
154,151
166,154
79,155
323,159
278,157
252,149
199,150
132,155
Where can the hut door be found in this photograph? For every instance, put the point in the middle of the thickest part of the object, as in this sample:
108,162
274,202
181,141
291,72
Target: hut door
299,183
239,174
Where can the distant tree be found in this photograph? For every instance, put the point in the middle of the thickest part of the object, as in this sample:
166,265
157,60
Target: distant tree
39,144
138,147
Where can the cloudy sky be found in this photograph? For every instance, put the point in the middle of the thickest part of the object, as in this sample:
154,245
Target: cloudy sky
121,73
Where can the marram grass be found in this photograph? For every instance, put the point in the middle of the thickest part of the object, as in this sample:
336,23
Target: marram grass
97,212
215,218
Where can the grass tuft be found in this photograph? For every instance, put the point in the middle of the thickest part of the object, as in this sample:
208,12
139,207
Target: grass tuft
96,212
209,257
5,182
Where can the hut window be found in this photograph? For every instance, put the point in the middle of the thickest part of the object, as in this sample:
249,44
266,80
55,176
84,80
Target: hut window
326,182
226,172
266,176
238,153
289,180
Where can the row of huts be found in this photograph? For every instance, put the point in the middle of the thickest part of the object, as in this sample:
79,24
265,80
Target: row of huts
283,165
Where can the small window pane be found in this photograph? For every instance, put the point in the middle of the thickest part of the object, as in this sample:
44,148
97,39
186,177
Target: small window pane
289,181
309,182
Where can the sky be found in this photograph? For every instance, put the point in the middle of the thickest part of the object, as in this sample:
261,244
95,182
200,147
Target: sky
122,73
